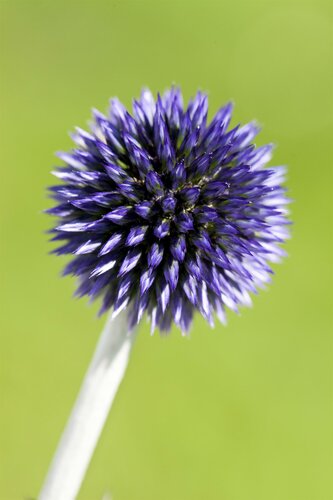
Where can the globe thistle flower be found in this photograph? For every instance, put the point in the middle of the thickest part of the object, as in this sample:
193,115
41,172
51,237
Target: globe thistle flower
166,213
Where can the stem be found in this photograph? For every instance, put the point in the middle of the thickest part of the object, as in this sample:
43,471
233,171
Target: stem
88,416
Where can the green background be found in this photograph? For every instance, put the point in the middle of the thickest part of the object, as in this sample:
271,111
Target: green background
242,412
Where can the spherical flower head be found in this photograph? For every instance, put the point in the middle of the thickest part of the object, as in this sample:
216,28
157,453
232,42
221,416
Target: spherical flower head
166,214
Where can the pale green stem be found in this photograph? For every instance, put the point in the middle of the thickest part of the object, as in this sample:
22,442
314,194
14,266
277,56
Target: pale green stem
90,411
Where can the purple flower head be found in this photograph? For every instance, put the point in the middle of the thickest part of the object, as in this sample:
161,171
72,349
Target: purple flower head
166,213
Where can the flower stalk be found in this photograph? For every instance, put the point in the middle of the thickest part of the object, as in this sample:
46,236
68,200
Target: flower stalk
90,411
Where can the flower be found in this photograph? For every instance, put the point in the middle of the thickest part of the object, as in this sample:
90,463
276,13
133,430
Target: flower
166,213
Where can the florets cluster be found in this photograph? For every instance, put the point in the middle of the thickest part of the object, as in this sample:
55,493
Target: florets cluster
166,213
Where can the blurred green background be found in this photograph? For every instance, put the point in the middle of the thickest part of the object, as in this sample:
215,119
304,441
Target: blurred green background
242,412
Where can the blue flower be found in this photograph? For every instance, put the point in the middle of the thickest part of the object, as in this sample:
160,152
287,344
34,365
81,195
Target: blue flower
166,214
